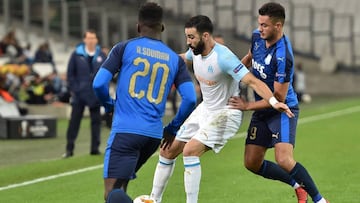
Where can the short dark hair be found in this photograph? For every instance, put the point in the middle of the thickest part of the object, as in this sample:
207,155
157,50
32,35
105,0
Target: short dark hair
150,15
201,23
92,31
274,10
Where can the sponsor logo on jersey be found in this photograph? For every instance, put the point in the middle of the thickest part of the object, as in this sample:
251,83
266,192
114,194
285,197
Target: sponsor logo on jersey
237,69
281,59
260,68
280,74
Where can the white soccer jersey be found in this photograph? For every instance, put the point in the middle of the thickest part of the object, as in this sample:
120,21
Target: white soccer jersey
219,74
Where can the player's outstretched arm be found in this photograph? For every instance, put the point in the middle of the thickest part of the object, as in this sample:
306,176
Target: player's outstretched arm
264,91
188,103
101,89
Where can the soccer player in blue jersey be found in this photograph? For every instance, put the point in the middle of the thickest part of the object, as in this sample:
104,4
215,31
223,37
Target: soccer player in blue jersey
272,61
212,123
147,69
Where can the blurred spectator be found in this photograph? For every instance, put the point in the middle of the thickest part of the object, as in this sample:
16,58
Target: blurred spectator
14,75
44,55
299,82
9,106
10,46
39,91
58,85
29,58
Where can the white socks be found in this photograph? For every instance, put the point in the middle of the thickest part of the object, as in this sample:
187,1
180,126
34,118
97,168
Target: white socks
321,201
192,177
163,172
296,185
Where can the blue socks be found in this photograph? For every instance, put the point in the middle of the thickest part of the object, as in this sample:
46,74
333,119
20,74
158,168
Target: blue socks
118,195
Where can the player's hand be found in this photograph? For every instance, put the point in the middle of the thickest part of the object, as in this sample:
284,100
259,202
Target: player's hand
238,103
167,140
284,108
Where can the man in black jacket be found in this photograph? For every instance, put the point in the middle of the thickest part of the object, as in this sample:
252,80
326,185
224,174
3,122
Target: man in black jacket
83,65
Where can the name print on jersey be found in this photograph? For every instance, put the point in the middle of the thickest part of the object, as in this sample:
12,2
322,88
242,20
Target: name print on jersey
152,53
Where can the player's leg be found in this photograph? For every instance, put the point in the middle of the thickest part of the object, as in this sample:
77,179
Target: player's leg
95,130
167,157
296,171
77,110
121,159
118,195
216,128
112,184
192,175
165,168
259,138
284,147
284,157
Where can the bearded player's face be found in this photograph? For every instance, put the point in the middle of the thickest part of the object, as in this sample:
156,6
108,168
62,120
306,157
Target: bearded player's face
194,40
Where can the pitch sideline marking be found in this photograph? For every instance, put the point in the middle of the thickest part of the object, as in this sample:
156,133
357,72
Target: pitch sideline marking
51,177
243,134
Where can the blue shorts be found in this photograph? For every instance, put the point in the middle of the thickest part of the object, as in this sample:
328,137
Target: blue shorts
126,153
268,127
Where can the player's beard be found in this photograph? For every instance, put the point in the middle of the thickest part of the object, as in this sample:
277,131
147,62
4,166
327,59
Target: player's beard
199,48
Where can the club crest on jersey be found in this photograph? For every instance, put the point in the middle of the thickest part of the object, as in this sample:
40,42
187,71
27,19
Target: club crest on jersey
210,69
268,59
256,46
99,59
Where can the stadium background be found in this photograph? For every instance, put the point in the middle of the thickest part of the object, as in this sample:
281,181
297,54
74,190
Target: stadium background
324,33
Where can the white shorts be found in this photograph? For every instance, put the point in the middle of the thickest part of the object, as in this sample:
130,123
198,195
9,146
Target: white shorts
212,128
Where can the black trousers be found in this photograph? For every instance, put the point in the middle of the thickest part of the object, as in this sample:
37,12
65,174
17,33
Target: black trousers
77,113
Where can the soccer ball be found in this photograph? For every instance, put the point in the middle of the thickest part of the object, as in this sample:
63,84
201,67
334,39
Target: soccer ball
144,199
306,98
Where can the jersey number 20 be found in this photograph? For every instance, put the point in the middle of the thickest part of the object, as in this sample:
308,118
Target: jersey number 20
151,69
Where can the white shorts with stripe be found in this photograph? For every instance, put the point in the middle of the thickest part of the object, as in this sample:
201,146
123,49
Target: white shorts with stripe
213,128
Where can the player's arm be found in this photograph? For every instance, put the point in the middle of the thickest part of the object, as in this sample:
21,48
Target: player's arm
246,60
269,100
280,90
188,62
188,103
105,74
186,89
101,88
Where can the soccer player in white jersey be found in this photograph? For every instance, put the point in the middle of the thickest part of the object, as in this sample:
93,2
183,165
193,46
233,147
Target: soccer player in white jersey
212,123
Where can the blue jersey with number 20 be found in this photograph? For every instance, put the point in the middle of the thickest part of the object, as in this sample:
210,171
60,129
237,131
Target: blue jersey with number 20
147,69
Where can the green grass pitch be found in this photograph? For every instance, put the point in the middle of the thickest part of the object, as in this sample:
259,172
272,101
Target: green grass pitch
328,137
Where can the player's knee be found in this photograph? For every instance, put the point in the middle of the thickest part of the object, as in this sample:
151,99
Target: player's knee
285,162
252,165
194,148
190,151
173,151
169,153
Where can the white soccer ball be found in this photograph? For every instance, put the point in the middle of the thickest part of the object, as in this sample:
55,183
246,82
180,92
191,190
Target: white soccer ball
306,98
144,199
